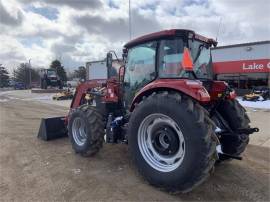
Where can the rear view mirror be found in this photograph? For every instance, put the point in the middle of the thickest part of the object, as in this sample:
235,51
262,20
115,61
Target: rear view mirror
125,53
109,60
121,73
187,62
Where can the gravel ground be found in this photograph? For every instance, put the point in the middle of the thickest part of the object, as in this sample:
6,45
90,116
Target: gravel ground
31,169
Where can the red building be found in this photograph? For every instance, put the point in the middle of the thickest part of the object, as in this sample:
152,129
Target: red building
243,65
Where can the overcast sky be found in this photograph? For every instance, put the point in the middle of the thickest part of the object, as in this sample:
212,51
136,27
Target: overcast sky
76,31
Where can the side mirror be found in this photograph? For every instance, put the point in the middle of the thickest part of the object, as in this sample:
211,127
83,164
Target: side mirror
109,60
124,54
187,62
121,73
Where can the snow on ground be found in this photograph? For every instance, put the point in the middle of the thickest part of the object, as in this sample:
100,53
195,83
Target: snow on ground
47,98
257,104
40,98
26,95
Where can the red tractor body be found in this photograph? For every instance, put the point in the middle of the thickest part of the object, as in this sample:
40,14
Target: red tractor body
166,105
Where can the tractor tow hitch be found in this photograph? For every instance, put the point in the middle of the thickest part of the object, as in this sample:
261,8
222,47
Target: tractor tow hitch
248,131
231,156
221,153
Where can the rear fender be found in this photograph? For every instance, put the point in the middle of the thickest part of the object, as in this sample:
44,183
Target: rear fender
192,88
218,87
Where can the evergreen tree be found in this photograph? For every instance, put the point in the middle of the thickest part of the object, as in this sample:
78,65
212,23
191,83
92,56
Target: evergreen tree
22,74
56,64
81,73
4,77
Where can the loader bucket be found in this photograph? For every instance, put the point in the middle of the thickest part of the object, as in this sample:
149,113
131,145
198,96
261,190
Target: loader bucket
52,128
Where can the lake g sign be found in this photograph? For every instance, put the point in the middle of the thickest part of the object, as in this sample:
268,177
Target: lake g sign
253,66
256,66
242,66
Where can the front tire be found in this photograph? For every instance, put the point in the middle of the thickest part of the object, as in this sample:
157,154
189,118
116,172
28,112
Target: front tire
44,84
183,159
86,130
60,85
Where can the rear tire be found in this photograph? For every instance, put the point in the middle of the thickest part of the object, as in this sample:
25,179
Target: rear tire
237,118
199,142
60,85
44,84
86,130
41,84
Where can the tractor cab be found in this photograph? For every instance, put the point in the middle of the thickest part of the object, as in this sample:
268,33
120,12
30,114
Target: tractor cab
51,73
164,55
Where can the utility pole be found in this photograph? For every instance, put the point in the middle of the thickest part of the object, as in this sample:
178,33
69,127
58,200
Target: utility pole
219,27
30,74
129,18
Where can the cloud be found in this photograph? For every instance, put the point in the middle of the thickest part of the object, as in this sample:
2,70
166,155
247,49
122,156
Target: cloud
113,28
82,30
118,28
7,19
76,4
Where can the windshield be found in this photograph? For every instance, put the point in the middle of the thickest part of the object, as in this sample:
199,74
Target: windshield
51,73
171,54
201,55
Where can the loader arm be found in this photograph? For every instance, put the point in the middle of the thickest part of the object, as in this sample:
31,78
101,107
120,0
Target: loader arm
82,89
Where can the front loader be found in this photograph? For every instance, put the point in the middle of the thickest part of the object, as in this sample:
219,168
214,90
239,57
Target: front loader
177,121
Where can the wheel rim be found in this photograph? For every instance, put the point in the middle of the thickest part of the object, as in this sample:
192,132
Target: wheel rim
161,142
78,131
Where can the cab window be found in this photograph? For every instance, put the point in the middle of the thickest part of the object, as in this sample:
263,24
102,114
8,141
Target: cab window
201,55
141,65
170,58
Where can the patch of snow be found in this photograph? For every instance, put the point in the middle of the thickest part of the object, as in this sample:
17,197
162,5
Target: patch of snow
3,100
258,104
40,98
46,97
76,171
13,98
4,92
218,149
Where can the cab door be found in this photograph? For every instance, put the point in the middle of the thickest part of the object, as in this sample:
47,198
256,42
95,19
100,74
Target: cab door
140,69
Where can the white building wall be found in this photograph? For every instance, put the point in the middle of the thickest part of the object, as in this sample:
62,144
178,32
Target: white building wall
249,52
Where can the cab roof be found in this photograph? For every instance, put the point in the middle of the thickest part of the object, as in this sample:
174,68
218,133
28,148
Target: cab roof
167,33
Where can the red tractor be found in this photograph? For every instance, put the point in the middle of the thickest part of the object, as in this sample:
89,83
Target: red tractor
177,121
